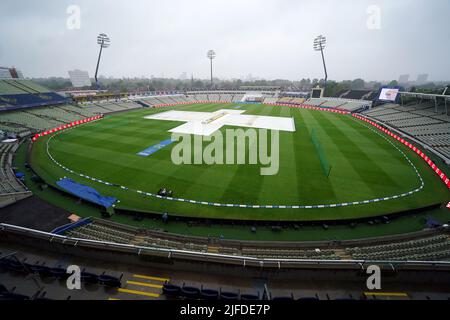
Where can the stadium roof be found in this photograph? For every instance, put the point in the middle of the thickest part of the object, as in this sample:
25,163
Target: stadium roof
425,95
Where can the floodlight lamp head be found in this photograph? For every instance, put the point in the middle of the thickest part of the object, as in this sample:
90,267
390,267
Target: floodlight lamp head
320,43
211,54
103,40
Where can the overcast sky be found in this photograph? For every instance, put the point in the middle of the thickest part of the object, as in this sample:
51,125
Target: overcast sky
270,39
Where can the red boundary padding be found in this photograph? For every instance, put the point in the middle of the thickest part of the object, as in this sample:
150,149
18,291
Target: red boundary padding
66,126
444,178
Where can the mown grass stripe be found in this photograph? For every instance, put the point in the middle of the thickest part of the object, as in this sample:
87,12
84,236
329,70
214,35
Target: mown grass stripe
139,202
366,167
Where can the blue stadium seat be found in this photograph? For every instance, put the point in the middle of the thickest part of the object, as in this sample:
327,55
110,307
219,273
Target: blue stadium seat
229,296
171,290
190,292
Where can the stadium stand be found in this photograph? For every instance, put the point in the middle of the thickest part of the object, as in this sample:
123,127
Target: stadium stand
103,231
151,101
28,120
11,189
23,267
431,248
271,100
227,97
354,94
285,100
202,97
326,254
17,86
344,104
315,102
213,97
427,249
77,110
6,88
14,129
238,97
54,113
17,94
27,107
424,121
353,105
106,107
24,122
224,96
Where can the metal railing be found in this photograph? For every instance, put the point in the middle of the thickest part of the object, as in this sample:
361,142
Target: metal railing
174,254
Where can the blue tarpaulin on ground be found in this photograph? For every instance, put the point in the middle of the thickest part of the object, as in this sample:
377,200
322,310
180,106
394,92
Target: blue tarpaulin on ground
20,175
149,151
433,223
86,193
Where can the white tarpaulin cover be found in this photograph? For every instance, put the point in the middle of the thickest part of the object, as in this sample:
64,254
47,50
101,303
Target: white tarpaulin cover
206,123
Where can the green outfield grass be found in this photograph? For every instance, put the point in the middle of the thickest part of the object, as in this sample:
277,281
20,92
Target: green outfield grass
364,166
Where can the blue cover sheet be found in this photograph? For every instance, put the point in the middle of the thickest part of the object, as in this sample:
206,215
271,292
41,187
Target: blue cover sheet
149,151
86,193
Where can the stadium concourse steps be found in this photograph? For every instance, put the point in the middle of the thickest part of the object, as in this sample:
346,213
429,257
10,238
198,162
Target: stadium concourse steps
421,121
429,248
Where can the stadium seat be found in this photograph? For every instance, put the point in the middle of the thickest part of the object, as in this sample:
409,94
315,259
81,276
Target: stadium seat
190,292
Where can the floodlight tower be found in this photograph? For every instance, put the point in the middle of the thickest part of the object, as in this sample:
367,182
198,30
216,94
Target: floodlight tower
319,45
211,56
104,42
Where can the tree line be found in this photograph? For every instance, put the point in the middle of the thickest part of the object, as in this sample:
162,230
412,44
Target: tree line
163,84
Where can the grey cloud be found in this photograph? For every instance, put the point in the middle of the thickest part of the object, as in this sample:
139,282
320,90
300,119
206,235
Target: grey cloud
267,38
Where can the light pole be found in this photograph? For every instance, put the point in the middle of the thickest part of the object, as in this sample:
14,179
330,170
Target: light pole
104,42
211,56
319,45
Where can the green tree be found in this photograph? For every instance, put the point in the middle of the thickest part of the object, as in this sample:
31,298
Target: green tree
393,83
358,84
